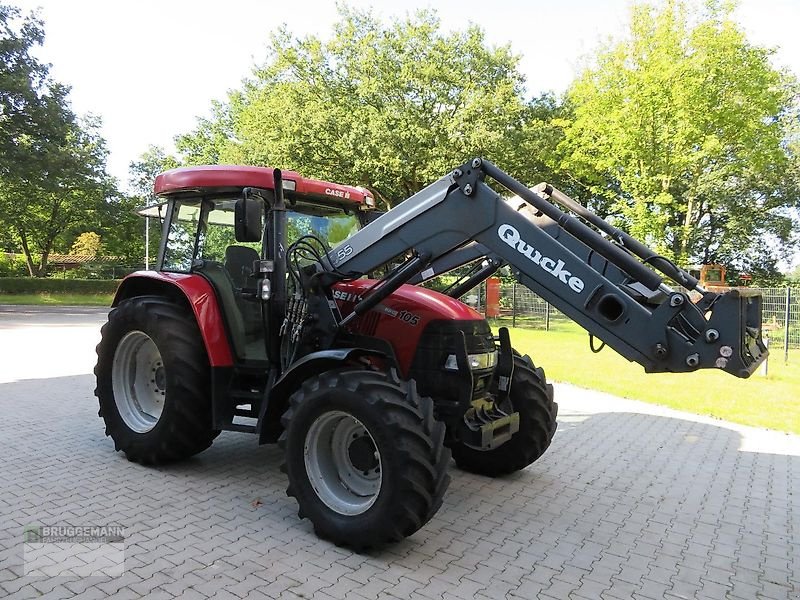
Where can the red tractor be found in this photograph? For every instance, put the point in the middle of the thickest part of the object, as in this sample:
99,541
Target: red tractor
287,307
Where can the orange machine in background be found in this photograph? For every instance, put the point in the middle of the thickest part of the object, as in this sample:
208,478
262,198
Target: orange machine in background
712,276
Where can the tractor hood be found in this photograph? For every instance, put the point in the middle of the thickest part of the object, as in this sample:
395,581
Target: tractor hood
402,317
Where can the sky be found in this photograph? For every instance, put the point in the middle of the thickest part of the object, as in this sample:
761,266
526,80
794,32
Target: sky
149,68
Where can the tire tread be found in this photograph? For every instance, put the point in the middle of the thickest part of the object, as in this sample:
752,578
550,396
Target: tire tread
187,430
418,440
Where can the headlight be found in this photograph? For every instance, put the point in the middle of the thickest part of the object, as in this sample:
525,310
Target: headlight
476,362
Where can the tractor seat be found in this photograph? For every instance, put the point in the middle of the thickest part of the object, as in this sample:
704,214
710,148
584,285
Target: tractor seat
239,263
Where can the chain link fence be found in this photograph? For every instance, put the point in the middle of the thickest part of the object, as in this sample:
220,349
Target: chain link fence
780,313
520,307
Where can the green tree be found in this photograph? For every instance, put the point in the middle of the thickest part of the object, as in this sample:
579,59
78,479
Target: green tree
208,144
32,106
142,173
122,229
52,164
691,125
793,277
763,272
391,107
71,185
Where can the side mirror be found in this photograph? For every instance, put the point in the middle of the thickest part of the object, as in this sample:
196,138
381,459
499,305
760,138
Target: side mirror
248,218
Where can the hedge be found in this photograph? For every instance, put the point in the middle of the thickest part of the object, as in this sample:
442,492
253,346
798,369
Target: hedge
42,285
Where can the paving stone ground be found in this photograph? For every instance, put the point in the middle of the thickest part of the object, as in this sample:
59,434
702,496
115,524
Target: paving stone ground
631,501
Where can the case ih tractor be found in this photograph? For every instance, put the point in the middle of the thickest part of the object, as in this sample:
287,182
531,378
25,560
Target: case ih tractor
288,307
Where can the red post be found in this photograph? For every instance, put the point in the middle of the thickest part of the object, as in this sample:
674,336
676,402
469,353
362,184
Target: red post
493,297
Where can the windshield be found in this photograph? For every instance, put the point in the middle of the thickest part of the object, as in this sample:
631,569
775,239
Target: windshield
329,224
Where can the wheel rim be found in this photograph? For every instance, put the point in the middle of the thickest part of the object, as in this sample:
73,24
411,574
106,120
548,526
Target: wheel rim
343,463
139,381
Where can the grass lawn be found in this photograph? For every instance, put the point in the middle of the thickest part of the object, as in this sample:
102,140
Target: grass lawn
58,299
772,401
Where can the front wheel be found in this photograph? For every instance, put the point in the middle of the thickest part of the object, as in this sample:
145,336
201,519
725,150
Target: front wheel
365,458
153,382
532,397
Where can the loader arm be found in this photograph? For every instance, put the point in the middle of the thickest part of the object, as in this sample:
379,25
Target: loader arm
466,254
599,284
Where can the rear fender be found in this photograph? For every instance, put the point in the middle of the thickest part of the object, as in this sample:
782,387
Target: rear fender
308,366
197,293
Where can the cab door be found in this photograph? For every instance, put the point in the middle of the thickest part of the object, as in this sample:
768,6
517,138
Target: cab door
201,240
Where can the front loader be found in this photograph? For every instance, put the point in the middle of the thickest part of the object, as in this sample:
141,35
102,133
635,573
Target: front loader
285,307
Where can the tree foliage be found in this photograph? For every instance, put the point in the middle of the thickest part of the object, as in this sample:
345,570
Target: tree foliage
793,277
390,107
143,172
52,163
693,126
32,106
126,230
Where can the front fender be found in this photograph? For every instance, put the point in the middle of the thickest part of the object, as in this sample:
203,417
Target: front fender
308,366
198,295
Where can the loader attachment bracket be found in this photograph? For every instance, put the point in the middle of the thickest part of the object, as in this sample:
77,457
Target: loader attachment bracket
733,338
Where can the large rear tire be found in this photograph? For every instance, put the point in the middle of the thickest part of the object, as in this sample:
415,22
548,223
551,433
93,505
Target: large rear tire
532,397
365,457
153,382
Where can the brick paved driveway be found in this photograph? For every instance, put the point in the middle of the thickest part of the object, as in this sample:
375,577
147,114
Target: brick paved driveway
631,501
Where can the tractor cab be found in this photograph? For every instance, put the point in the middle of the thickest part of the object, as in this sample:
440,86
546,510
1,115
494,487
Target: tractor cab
204,209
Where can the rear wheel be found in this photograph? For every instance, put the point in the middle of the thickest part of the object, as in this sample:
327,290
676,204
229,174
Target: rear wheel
153,382
532,397
364,456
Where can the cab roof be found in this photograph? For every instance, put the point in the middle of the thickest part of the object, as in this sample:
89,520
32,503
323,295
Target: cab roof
215,178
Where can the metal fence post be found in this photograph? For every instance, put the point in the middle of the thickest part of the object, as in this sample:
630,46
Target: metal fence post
765,365
514,305
786,325
147,243
547,316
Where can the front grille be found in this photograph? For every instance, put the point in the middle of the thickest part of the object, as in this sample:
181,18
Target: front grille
440,339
